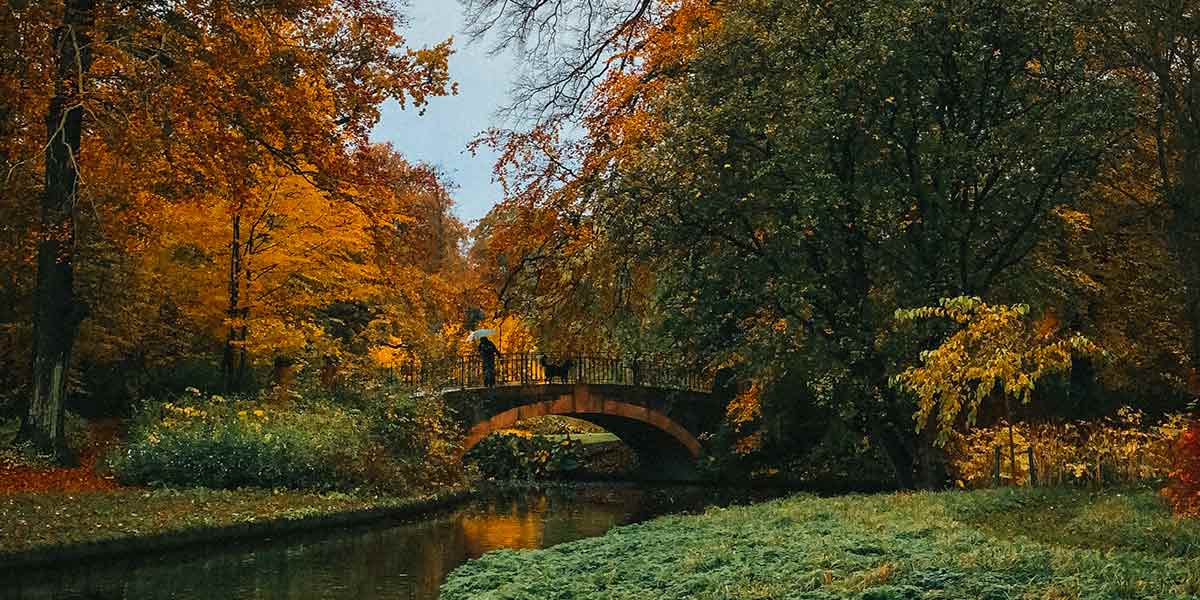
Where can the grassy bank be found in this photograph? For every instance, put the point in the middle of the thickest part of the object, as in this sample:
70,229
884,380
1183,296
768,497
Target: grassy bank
36,526
1048,544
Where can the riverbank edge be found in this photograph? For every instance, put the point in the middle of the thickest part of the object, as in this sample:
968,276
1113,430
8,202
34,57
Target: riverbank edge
264,528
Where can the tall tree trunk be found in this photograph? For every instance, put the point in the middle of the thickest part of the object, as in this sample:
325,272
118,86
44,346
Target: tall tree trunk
57,314
244,313
898,453
917,461
229,365
1185,243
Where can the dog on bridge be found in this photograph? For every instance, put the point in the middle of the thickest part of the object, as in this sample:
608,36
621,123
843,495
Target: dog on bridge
560,370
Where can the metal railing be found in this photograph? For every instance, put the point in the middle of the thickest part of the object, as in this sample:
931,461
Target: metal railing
466,372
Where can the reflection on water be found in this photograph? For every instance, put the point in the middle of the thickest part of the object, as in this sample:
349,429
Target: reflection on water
388,561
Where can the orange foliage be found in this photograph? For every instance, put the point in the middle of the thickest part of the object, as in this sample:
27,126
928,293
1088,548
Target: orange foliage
743,413
1184,490
537,235
17,477
203,112
618,120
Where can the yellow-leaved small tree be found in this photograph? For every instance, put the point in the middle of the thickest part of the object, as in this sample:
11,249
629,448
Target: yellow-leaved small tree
996,351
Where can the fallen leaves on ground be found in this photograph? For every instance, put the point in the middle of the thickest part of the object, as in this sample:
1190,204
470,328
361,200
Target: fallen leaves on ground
22,476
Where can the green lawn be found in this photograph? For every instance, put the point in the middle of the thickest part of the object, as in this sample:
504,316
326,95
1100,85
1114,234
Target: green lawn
587,439
1046,544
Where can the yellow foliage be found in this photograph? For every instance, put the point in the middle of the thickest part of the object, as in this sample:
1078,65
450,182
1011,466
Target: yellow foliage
515,432
742,412
1119,449
997,349
386,357
746,405
749,443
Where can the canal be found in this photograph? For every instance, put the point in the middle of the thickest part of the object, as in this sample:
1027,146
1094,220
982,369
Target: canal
402,561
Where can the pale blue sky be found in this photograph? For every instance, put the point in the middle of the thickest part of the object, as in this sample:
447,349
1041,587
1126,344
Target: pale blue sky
440,136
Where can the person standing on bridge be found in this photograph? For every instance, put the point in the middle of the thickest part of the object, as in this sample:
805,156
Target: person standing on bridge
488,352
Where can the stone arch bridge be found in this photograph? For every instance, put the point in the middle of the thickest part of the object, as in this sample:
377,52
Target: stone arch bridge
661,411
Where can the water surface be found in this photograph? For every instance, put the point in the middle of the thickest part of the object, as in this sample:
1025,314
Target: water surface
402,561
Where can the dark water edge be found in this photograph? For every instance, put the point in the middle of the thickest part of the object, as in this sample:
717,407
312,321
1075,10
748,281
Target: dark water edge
403,561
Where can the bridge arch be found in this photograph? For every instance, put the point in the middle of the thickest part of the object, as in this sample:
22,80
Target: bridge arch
607,407
660,425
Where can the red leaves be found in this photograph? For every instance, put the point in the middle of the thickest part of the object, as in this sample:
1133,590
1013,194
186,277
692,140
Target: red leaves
24,478
16,478
1183,492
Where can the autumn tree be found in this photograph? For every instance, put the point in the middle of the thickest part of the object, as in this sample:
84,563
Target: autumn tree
540,252
56,314
794,172
1154,47
310,276
187,102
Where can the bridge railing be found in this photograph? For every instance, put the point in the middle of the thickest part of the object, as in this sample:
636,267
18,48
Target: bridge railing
528,369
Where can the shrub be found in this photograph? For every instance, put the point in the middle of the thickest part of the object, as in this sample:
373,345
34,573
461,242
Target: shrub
222,443
417,432
516,455
1183,492
1120,449
377,437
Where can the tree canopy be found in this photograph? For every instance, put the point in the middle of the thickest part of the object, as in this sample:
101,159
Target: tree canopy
786,175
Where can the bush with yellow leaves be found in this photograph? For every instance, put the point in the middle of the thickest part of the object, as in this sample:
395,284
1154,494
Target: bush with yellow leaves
1125,448
214,442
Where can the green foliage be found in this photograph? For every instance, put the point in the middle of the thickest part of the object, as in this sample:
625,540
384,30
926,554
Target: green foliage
818,165
517,455
417,432
234,444
838,462
988,544
841,460
231,443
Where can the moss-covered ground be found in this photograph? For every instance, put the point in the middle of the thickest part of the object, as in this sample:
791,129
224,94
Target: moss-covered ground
996,544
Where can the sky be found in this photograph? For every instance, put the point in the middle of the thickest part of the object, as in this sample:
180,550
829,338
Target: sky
440,136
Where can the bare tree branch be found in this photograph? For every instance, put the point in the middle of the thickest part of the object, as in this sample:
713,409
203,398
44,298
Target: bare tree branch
566,47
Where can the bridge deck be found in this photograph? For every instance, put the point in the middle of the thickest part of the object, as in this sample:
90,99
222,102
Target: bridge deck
468,373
